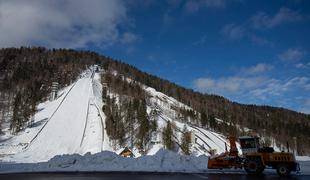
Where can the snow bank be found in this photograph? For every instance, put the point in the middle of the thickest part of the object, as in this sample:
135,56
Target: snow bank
162,161
303,158
106,161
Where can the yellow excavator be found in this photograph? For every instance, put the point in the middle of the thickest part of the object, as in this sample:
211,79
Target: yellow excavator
254,159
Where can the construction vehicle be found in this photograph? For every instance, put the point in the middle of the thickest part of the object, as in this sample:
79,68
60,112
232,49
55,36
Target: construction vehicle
254,159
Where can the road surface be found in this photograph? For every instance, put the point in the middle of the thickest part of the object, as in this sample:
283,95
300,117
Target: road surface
138,176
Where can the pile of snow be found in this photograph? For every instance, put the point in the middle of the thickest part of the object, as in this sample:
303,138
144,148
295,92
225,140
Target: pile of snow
302,158
106,161
162,161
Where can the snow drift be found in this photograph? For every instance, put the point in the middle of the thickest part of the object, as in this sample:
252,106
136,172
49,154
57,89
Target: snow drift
162,161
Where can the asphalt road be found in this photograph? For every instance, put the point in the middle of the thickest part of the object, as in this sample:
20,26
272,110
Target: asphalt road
137,176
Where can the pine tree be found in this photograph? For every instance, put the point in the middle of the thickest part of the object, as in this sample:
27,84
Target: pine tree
144,127
26,108
212,121
153,126
120,130
167,136
109,125
16,122
153,120
203,118
130,120
185,141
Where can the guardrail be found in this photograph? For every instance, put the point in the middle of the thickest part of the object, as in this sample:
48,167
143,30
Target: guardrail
102,124
85,125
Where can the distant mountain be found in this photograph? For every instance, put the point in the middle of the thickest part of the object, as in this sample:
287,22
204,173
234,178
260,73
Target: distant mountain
138,106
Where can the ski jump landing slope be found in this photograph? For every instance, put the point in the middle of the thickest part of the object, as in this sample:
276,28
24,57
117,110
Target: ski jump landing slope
63,133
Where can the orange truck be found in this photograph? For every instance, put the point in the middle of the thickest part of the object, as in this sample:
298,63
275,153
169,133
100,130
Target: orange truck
254,159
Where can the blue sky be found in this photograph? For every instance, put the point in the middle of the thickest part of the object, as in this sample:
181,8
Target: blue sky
254,52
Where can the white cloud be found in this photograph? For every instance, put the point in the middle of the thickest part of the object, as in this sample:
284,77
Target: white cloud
292,55
276,87
193,6
258,68
259,89
201,41
246,79
260,40
254,85
300,65
128,38
236,32
228,85
260,21
70,23
284,15
273,87
303,65
233,31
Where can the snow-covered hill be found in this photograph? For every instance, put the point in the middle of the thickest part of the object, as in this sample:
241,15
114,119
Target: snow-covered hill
70,134
68,125
74,123
204,141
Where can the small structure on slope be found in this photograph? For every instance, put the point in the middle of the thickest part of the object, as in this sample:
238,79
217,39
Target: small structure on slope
126,152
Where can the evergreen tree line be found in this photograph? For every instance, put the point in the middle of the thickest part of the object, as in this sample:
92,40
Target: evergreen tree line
127,118
170,140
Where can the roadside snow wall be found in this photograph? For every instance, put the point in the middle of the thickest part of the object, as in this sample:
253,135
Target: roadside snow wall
162,161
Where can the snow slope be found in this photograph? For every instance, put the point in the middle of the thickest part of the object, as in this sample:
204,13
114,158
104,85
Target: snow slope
205,140
11,144
75,126
63,133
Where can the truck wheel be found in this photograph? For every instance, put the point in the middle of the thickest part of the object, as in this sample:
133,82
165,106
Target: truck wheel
253,166
283,170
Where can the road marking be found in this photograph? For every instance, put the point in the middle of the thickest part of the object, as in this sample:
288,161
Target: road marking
201,176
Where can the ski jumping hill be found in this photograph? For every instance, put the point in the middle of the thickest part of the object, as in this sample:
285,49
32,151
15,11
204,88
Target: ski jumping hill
74,123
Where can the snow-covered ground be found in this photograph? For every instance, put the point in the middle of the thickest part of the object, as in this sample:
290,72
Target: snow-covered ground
11,144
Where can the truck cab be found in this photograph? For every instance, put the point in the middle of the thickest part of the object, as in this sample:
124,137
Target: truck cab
249,144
